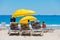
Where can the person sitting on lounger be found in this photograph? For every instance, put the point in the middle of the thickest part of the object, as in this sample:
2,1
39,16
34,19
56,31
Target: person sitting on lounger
43,25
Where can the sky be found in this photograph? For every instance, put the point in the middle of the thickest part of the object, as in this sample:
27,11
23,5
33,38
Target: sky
41,7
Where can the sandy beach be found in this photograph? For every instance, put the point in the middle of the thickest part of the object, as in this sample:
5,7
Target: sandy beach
55,35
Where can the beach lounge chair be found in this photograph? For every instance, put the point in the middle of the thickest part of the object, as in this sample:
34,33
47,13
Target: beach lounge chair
3,26
36,29
25,30
45,30
14,28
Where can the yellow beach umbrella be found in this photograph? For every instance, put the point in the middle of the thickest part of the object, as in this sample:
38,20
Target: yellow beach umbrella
26,18
22,12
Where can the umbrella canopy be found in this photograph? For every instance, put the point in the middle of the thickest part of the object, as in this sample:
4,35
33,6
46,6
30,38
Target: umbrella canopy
22,12
26,18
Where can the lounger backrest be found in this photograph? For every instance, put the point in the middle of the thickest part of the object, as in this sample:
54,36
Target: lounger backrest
13,26
36,25
25,27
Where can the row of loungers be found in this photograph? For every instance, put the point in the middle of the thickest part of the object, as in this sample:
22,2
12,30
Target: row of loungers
25,29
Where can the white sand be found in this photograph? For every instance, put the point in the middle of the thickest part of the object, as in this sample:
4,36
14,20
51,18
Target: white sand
47,36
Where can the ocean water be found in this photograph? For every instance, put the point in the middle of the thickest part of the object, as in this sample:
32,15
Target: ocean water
49,19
